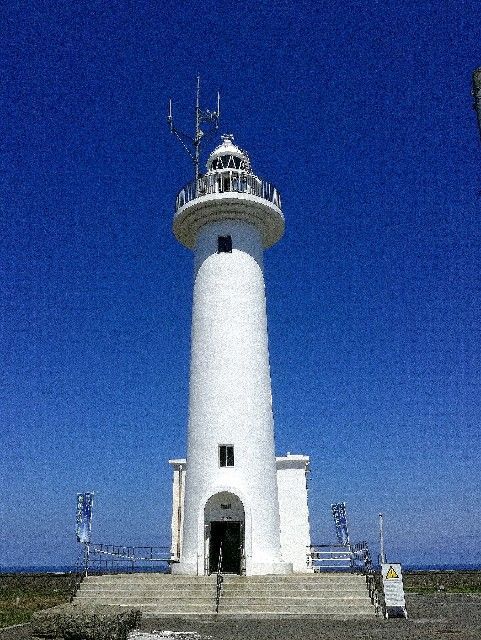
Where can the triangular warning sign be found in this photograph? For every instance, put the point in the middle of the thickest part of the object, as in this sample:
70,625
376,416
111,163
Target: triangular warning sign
391,574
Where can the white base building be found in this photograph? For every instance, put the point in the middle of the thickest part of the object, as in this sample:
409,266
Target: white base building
225,517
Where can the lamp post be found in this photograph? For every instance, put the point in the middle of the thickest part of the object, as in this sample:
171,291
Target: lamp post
382,555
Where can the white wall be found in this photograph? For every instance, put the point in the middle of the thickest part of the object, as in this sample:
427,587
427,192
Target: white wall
293,509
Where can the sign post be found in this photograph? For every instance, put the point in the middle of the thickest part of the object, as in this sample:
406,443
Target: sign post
392,582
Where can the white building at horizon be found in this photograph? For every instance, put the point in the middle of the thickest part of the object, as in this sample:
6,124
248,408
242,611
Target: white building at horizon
231,491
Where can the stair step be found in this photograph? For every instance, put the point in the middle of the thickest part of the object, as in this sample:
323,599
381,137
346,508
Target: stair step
193,597
160,577
174,610
225,596
254,615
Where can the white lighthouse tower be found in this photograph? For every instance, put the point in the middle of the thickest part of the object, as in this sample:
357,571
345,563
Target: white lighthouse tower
226,492
231,494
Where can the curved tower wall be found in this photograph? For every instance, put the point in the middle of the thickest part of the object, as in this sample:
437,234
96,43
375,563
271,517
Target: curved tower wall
230,396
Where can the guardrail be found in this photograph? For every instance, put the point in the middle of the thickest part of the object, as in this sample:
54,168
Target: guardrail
321,557
110,558
228,181
354,558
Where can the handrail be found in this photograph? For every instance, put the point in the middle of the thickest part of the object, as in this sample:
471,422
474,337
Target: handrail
219,581
362,562
356,558
228,181
79,575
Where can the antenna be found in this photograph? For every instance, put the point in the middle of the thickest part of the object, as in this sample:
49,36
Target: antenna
476,92
202,116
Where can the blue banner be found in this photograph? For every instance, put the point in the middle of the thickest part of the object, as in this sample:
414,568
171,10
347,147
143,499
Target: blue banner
84,516
340,519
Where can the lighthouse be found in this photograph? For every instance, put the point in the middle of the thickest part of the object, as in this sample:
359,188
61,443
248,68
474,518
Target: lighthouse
234,502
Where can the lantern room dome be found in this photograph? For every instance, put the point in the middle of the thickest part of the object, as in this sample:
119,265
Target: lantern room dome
228,156
229,191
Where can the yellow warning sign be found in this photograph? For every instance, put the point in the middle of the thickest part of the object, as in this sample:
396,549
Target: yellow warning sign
391,574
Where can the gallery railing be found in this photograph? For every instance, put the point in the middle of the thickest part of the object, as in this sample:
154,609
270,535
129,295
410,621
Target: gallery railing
228,181
110,558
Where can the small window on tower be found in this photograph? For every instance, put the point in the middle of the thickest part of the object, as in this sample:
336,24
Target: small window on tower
224,244
226,455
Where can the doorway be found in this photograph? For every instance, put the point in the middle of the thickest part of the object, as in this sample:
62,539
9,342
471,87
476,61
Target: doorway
228,534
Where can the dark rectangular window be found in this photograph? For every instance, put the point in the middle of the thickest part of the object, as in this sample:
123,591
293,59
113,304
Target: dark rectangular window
224,244
226,455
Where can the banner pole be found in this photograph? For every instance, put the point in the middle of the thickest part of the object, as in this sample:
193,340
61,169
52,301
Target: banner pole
86,557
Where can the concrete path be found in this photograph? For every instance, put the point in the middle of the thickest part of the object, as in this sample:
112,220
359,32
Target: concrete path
432,617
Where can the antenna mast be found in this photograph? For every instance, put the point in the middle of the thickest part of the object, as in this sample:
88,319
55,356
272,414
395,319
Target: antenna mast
202,116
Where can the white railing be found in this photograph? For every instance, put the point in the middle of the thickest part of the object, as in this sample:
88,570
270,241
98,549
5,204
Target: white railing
339,556
110,558
329,556
225,182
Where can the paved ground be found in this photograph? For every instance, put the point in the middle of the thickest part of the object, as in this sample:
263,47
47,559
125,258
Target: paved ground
432,617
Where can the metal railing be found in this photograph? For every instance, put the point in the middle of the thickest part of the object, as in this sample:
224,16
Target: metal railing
354,558
362,556
79,573
228,181
219,581
110,558
321,557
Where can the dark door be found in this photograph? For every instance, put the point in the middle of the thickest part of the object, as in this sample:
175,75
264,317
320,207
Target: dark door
229,535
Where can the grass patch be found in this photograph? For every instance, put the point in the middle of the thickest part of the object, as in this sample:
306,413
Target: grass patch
432,590
428,582
23,594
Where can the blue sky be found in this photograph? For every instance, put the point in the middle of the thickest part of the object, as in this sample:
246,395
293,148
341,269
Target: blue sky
361,114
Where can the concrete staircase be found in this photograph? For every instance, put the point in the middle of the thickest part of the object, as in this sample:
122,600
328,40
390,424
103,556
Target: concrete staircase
332,595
